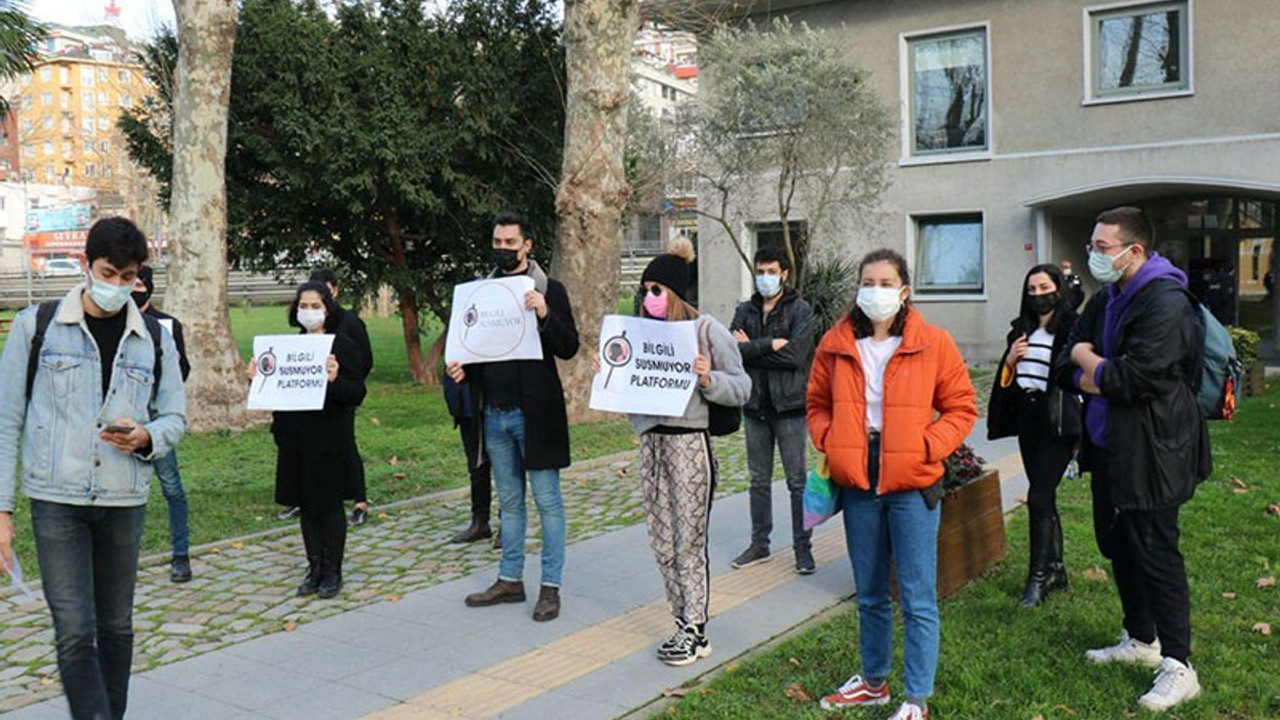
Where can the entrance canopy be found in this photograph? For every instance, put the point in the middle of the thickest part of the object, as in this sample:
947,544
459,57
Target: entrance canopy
1088,200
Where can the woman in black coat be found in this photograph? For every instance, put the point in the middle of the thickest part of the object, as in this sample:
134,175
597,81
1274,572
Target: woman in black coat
1046,419
316,449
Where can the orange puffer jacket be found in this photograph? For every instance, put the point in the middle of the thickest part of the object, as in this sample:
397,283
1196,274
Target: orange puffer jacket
925,375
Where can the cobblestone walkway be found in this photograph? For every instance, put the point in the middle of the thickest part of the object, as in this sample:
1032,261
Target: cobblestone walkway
245,589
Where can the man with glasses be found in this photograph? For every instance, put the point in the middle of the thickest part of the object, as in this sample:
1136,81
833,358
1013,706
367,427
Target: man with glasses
1136,353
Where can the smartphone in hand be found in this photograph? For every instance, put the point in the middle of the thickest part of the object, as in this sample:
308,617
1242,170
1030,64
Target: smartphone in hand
118,429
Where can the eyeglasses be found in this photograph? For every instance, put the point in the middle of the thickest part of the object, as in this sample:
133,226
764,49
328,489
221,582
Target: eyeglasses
1090,247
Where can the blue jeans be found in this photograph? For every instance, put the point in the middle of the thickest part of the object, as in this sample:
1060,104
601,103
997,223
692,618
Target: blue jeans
88,566
898,527
504,441
171,485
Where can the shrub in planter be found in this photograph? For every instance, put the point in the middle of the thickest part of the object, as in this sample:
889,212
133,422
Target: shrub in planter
1247,344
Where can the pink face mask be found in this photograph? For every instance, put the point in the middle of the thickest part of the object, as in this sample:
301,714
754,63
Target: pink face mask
656,305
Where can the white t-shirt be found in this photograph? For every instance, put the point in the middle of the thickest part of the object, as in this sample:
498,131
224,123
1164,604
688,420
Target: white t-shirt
1032,371
875,356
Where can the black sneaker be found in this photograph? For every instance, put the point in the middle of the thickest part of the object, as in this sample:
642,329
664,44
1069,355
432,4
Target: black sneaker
180,569
289,513
804,561
359,516
672,642
752,555
691,647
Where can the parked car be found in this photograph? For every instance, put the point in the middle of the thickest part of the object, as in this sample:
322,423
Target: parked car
56,267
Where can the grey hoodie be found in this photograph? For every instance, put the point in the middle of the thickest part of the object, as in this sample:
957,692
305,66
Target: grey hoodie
730,384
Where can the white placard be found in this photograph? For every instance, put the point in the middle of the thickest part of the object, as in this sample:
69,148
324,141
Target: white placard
489,322
646,366
291,372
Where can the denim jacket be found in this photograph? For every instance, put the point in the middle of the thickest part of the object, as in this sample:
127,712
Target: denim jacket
63,459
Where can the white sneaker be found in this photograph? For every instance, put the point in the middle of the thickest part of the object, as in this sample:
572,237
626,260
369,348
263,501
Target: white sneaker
1175,683
1127,650
910,711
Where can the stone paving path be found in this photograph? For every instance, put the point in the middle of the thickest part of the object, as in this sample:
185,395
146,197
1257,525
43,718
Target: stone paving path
245,588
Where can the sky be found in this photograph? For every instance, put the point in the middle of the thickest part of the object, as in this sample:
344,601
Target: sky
139,18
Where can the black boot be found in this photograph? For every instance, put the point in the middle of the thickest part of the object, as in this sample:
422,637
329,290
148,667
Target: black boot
313,544
477,530
1041,554
335,542
1057,568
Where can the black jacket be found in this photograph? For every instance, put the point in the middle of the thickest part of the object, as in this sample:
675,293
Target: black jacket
177,339
787,370
1157,441
316,449
1063,406
350,324
546,423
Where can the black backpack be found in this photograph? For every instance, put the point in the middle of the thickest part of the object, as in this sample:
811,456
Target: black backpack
44,316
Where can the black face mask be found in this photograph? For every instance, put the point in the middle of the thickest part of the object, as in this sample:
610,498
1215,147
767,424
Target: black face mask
141,298
1044,304
506,260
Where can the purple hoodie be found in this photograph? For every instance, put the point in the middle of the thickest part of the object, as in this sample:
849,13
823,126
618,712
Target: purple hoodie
1118,301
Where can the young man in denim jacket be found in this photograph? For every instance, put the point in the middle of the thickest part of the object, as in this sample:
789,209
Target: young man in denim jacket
88,432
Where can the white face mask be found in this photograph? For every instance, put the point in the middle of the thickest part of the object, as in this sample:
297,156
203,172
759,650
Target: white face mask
880,303
310,319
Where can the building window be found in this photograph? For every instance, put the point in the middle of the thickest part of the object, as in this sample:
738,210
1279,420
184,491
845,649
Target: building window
46,73
1139,50
86,77
106,170
769,234
104,123
102,75
27,126
28,151
66,148
125,100
104,146
66,101
48,171
46,99
64,76
86,124
27,102
122,76
90,170
949,89
86,102
47,147
949,254
88,146
46,122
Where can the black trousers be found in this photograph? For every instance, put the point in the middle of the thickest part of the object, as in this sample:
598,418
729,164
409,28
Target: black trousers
1044,457
1149,571
481,476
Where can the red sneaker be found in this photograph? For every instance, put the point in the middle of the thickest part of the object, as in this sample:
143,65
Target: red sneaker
857,693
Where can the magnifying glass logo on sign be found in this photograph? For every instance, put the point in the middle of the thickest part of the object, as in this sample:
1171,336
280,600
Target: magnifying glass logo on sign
266,366
617,353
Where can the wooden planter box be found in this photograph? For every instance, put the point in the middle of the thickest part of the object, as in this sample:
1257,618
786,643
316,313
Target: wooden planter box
1254,379
970,534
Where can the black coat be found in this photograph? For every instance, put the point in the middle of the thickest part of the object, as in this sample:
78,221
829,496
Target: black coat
787,370
316,449
350,325
1157,444
1063,406
546,423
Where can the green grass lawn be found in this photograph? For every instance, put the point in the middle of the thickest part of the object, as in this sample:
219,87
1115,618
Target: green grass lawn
1002,662
405,433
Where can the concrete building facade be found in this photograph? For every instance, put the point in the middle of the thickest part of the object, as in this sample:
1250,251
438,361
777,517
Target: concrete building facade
1021,121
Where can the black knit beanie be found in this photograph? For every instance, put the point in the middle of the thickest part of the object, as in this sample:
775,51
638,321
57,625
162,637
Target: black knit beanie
671,271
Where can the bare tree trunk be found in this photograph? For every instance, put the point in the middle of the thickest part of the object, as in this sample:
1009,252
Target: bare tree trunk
197,292
412,339
593,190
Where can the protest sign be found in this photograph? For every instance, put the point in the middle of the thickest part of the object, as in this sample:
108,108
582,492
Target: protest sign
646,366
489,322
291,372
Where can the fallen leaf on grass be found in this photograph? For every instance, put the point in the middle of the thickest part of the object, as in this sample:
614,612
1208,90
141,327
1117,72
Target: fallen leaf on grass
1229,595
797,693
1263,628
46,680
393,460
1238,486
622,472
382,516
257,518
375,422
675,692
794,661
731,667
1038,717
393,598
237,546
1095,574
1266,582
215,551
1065,709
1274,509
399,475
291,626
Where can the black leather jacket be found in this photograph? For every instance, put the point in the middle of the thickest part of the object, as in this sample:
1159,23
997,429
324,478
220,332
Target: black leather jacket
786,371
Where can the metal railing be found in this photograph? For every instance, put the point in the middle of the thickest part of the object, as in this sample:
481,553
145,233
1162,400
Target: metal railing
17,289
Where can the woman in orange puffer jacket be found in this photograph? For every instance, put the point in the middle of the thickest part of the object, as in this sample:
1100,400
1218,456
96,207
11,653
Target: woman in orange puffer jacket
889,398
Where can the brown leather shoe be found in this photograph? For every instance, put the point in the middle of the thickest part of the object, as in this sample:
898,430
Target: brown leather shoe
548,607
501,591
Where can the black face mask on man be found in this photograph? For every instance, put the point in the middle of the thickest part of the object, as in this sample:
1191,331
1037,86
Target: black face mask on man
505,259
1044,304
